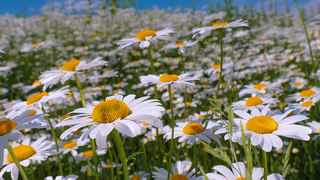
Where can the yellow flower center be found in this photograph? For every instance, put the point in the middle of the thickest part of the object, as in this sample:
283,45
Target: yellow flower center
69,145
32,113
240,178
6,126
193,128
110,110
260,86
262,124
307,93
201,117
37,81
218,24
36,97
136,177
35,44
179,177
168,77
22,152
180,44
70,65
65,116
307,103
216,66
298,83
141,35
253,101
87,154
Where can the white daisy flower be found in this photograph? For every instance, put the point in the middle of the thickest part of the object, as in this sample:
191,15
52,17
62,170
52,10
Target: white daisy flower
304,105
26,152
238,172
306,94
164,80
192,132
181,45
259,88
264,130
299,83
10,128
180,170
121,113
72,146
220,25
145,37
69,177
87,155
253,102
38,100
67,71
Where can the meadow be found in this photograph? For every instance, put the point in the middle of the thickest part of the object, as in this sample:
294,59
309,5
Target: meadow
112,93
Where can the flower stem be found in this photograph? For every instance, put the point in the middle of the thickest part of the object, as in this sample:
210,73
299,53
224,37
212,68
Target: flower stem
172,131
265,165
314,65
111,161
152,71
79,89
23,174
54,135
122,154
95,157
221,62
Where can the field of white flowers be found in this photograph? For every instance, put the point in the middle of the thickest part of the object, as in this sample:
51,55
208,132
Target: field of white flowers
116,94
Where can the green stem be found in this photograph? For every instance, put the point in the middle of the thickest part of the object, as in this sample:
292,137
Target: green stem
147,163
151,60
172,131
265,165
79,89
23,174
122,154
111,161
95,157
221,62
54,135
314,65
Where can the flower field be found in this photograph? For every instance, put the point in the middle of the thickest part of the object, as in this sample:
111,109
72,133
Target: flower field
114,93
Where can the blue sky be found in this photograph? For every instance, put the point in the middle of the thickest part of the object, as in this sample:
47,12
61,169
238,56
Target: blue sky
29,7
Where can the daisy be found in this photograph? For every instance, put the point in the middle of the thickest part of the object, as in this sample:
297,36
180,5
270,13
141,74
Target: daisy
67,71
253,102
72,146
86,155
179,171
304,105
306,94
220,25
238,171
69,177
181,46
258,88
145,37
299,83
10,128
38,100
166,79
264,130
27,152
121,113
192,132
